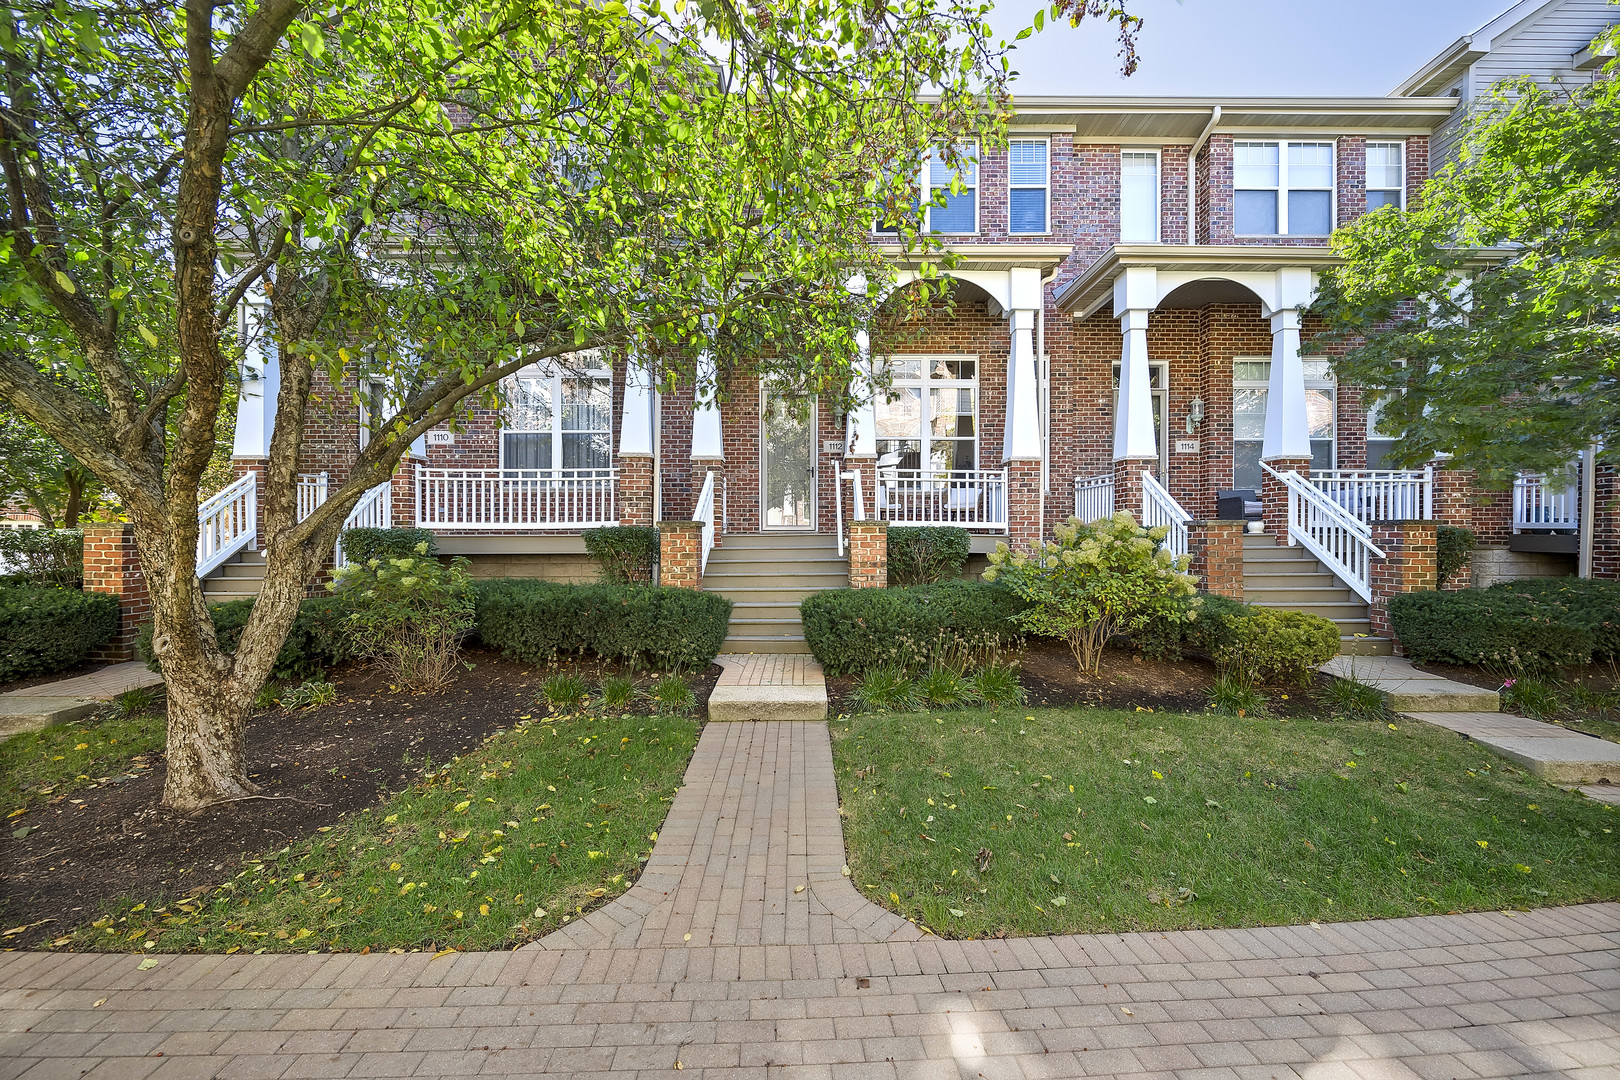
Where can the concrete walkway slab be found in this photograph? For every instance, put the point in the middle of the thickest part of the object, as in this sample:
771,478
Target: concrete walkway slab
1411,690
743,953
61,702
769,686
1555,754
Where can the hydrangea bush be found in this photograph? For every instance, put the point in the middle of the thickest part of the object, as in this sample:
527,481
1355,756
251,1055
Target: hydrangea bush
408,614
1095,580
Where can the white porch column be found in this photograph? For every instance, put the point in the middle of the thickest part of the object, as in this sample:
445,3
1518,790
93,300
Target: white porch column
1134,436
1023,438
706,438
1288,425
862,437
635,431
261,381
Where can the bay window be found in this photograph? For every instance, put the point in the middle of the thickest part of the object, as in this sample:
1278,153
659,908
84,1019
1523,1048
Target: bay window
930,421
557,420
1282,189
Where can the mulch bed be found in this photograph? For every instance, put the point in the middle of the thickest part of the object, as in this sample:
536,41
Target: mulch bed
1127,681
318,765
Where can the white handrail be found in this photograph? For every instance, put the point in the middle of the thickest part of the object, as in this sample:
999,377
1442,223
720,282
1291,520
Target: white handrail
1159,507
1094,497
373,511
838,507
1537,504
1379,494
705,514
1340,542
858,506
227,522
311,493
974,498
515,498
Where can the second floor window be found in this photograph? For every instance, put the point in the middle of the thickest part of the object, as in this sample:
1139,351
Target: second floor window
1282,189
957,210
1139,197
554,420
1386,175
1028,175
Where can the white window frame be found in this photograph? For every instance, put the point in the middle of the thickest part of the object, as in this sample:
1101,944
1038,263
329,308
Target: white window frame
924,383
1329,383
557,374
1282,189
1161,394
369,388
1046,187
971,151
1400,147
1158,193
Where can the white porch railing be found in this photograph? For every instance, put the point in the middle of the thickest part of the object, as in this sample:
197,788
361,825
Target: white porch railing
858,506
311,493
1159,507
1340,542
227,522
1379,494
515,498
1094,497
705,513
375,510
970,498
1542,503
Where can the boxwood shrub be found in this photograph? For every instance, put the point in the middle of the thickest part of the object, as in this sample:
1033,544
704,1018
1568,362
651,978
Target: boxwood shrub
314,644
647,625
1256,644
850,630
1453,550
1501,627
1593,605
363,544
625,552
44,629
926,554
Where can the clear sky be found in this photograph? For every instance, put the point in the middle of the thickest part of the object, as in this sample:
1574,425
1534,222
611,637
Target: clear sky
1245,47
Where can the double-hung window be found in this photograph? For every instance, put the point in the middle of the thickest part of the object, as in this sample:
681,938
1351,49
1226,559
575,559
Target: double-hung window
930,421
1251,380
954,191
373,409
1282,189
1386,175
557,420
1139,197
1028,182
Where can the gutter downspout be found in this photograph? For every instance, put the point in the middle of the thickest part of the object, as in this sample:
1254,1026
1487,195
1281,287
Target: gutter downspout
1192,174
1044,387
1588,511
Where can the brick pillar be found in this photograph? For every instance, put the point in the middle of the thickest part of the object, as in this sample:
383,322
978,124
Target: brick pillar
259,467
1024,530
1128,484
867,467
869,554
1217,556
1606,523
112,565
1274,495
636,489
1408,565
1453,504
402,493
680,554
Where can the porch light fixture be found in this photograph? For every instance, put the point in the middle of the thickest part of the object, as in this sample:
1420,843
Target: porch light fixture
1195,414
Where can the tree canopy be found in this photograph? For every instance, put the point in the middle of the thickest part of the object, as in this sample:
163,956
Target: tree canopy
1487,315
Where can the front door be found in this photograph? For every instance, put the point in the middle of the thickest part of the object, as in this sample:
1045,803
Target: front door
788,468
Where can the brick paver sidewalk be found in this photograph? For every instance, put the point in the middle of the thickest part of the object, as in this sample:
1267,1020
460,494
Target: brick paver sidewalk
777,983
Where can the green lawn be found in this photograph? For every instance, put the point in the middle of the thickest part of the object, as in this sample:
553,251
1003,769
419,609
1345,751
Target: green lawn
38,765
973,823
505,844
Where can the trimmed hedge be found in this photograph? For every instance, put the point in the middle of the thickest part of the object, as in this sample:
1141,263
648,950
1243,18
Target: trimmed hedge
626,552
648,625
1495,626
926,554
1593,605
44,630
1453,550
1257,644
850,630
361,545
314,644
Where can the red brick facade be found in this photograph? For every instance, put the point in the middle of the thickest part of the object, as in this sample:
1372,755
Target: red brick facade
1216,547
112,565
868,554
1408,565
680,554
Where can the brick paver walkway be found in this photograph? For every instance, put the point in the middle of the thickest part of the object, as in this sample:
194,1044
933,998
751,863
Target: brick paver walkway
770,669
777,983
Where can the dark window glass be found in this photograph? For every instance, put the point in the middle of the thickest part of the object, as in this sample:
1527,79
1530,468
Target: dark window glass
1310,213
1256,213
1026,212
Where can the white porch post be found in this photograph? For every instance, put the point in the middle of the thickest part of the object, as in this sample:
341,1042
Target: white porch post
862,437
707,443
1023,438
635,432
1288,425
1134,436
635,493
261,381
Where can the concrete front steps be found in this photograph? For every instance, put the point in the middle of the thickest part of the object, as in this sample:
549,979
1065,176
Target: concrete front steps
1290,578
765,575
238,578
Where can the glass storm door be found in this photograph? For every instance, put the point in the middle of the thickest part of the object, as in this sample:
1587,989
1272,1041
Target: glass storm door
788,473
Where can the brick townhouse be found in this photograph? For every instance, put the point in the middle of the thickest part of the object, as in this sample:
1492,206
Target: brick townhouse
1130,301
